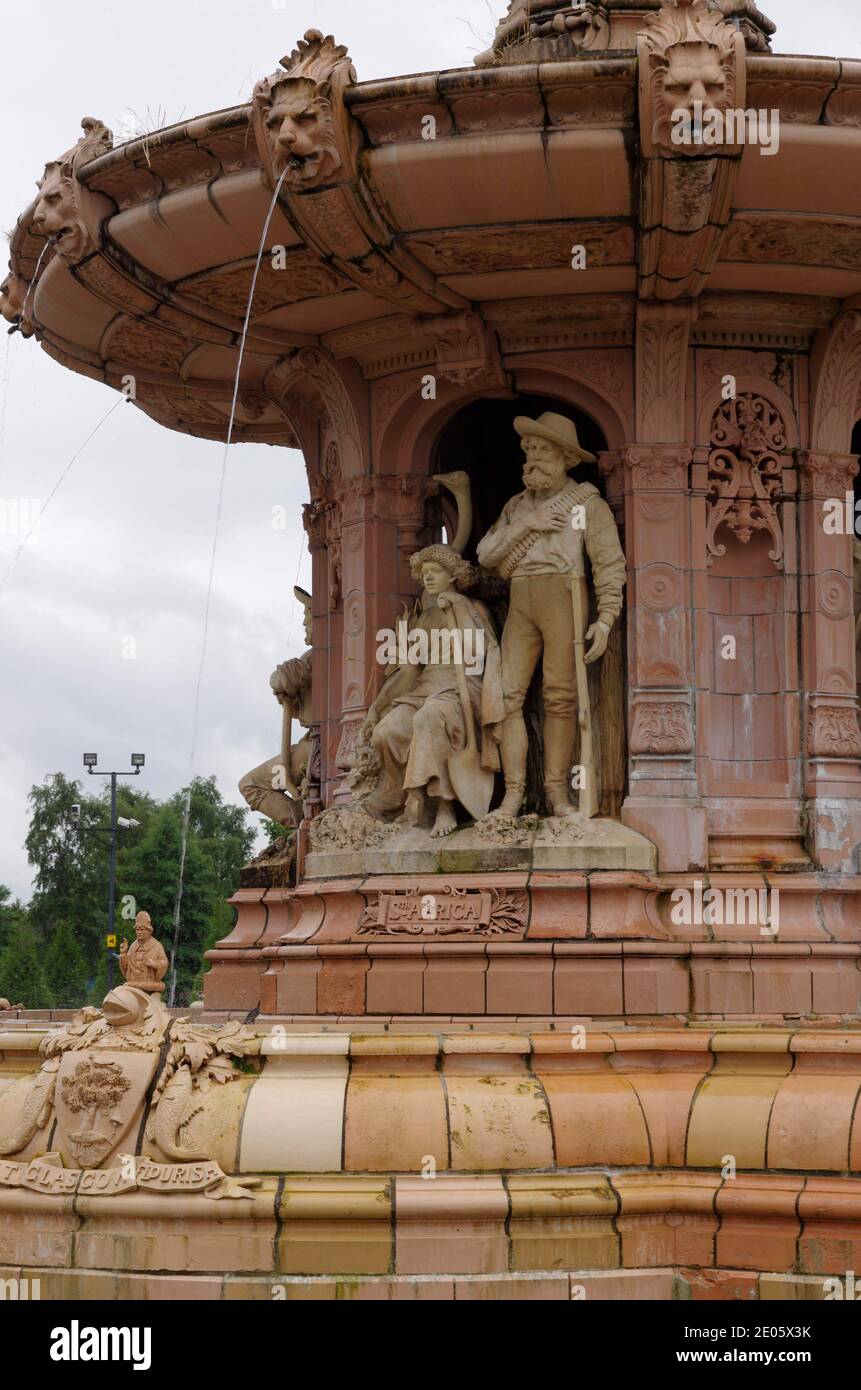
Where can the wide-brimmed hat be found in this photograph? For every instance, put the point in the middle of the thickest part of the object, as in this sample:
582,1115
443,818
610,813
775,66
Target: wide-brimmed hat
558,429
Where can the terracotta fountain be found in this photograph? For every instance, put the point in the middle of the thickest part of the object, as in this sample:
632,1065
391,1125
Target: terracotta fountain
598,1040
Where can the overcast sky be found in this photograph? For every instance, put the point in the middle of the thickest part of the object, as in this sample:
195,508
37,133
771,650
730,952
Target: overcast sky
123,550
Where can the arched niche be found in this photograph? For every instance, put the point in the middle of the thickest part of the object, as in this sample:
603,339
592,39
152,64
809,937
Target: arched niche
408,426
480,440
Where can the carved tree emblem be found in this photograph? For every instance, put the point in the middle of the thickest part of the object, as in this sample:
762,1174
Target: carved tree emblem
745,473
98,1099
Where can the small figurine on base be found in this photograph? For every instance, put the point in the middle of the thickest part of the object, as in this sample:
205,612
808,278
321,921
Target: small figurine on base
144,963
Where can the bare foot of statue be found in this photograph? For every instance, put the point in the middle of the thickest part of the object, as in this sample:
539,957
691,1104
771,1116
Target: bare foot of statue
446,820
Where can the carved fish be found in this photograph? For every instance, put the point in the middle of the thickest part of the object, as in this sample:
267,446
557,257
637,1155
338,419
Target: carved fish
173,1112
35,1114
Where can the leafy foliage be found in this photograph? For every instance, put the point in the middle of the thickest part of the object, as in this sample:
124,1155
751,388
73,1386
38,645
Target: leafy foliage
22,978
52,953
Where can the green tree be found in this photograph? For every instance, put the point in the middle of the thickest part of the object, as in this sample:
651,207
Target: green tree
226,839
65,969
11,913
70,856
71,872
99,984
151,877
22,977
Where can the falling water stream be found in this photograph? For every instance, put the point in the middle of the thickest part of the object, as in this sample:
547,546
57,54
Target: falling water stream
32,285
186,814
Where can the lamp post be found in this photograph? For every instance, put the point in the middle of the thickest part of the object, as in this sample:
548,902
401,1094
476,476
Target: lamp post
137,762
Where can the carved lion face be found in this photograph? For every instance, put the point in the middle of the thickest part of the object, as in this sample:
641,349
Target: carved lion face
301,134
56,213
13,293
694,73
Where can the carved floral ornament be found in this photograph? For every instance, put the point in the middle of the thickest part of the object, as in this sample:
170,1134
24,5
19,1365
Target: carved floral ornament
745,468
300,121
832,732
661,726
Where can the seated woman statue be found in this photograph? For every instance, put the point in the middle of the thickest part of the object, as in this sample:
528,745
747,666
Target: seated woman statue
434,724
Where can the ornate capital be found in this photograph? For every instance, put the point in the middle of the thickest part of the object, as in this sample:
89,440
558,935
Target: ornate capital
662,726
385,497
653,467
827,475
832,732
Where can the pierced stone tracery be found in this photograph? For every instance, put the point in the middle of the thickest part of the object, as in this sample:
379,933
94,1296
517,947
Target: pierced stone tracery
745,465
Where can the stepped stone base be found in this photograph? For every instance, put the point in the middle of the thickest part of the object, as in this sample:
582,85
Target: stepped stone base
553,842
459,1163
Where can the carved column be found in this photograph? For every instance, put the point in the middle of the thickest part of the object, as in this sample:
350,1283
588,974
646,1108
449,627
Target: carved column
319,515
663,796
832,736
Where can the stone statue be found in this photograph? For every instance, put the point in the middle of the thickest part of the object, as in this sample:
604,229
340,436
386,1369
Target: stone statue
274,788
434,724
144,963
538,543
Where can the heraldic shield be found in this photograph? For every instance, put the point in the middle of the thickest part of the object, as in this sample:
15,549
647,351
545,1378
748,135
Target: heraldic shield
99,1099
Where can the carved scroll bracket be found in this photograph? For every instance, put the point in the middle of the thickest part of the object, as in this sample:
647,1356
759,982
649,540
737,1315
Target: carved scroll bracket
692,69
467,351
309,141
